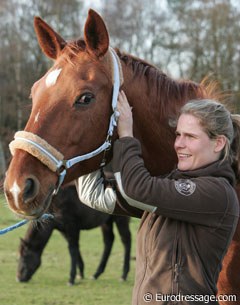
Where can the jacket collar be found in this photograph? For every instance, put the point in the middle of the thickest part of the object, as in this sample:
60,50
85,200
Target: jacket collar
219,168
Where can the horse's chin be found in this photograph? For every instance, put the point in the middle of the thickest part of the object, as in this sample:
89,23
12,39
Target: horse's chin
36,215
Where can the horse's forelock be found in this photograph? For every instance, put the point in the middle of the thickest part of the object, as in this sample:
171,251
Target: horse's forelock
71,53
72,50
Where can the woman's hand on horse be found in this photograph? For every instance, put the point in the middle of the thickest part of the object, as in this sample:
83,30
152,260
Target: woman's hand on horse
125,120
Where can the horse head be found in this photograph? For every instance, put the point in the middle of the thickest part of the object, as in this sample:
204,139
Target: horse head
71,109
29,261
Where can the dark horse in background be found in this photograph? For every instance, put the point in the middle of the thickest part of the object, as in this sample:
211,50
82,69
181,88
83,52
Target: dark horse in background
71,216
71,110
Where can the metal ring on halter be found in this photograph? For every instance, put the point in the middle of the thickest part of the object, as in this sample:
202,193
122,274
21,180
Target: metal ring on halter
60,181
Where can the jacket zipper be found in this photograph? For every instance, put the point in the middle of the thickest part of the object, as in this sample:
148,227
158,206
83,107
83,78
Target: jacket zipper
176,265
175,279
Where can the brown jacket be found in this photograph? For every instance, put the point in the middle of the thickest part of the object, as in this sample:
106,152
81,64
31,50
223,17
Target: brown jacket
188,223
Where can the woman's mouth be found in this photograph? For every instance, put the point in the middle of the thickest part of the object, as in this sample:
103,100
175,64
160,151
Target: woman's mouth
183,156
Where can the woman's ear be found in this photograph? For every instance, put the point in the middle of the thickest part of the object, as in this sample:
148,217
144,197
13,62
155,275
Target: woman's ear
220,143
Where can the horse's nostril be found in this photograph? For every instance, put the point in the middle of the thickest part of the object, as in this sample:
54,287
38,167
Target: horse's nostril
29,185
31,189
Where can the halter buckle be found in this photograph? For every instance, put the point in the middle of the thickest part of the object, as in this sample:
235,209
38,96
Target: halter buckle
61,176
61,167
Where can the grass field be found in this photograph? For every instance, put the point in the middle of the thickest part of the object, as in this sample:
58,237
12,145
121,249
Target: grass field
49,284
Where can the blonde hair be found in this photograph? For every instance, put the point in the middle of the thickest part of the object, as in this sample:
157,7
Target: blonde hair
216,120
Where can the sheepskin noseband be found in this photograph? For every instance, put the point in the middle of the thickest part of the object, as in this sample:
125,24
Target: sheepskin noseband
38,148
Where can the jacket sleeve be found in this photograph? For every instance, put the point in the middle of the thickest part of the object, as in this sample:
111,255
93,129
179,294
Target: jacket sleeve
93,191
199,200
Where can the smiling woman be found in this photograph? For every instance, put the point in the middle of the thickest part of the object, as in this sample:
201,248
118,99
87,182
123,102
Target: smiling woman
193,209
193,145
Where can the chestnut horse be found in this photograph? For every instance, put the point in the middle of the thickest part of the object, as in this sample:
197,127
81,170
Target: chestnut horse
70,116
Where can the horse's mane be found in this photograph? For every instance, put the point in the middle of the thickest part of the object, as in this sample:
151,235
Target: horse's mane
172,93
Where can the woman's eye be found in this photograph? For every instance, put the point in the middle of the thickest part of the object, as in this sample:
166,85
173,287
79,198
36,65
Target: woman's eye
84,99
190,136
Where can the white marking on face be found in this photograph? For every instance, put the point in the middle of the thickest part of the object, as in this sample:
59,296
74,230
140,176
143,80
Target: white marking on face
36,117
15,190
52,77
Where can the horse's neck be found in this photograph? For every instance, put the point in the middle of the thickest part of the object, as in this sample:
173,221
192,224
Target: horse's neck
151,125
38,237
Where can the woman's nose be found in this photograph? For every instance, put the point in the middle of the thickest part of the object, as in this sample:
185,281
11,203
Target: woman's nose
179,142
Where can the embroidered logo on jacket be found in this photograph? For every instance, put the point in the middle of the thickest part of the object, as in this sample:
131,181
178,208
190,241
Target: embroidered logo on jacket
185,187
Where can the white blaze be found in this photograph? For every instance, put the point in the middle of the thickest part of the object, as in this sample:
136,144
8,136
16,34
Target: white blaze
15,190
52,77
36,117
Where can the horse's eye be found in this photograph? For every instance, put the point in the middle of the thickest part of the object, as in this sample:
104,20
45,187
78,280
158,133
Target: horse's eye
84,99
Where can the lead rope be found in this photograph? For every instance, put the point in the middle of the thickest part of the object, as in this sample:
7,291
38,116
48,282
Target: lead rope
23,222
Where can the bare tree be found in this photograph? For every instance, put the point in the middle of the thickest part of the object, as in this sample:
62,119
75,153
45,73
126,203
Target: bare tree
211,32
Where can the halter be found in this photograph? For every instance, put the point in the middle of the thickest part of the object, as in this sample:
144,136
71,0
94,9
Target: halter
52,158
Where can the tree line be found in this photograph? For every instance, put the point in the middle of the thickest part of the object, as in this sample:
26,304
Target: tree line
186,39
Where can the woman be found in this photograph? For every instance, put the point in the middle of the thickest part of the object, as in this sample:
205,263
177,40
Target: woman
188,217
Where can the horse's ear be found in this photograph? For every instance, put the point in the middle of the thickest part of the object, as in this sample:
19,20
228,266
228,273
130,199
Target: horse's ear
96,34
50,42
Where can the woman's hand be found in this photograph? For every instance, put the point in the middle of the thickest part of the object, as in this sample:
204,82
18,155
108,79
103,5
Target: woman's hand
125,120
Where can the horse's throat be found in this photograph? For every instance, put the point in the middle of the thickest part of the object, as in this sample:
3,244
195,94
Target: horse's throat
157,148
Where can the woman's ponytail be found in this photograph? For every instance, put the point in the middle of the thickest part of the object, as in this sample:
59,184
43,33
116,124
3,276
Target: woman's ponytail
235,146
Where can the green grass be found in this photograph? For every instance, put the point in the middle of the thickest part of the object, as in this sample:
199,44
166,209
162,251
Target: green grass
49,284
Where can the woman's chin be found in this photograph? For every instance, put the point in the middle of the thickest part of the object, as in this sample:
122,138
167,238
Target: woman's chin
184,166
